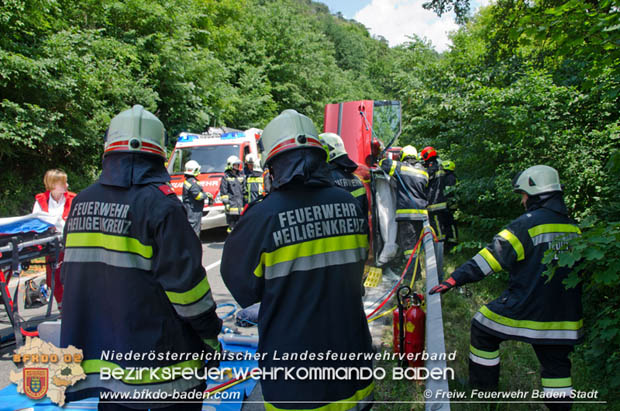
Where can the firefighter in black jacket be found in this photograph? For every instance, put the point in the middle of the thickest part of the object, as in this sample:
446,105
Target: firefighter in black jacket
231,191
193,196
301,252
534,309
254,187
342,167
437,202
411,197
134,281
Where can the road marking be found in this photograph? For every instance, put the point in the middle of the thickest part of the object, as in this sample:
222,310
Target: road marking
215,264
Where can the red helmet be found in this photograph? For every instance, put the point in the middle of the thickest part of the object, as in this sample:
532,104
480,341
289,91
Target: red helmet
427,153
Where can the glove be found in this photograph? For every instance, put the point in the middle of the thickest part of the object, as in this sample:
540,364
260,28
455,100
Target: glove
443,287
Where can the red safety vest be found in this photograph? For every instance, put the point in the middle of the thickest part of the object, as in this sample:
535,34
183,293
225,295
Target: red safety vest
44,198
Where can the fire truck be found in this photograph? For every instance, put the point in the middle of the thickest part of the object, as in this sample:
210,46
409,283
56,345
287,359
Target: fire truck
211,150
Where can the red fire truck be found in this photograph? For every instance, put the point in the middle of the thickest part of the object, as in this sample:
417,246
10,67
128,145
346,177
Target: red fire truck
211,150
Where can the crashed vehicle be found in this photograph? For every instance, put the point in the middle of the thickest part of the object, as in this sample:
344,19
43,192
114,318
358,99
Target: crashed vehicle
368,129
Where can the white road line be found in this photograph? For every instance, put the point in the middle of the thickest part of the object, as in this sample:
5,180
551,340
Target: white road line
215,264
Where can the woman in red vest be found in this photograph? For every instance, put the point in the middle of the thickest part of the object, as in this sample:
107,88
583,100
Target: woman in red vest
56,201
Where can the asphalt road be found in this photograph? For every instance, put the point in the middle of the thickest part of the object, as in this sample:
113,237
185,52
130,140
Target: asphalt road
212,246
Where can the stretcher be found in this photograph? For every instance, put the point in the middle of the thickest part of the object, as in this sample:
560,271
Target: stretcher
23,239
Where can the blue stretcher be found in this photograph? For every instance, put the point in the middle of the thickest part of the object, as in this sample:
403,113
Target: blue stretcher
23,239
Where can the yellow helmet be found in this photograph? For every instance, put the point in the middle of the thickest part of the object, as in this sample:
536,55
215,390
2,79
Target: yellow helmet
448,165
408,152
335,145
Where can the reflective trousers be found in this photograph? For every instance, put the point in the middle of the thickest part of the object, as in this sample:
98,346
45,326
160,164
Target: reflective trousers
555,367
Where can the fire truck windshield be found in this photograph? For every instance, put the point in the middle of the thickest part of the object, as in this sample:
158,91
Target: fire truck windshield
212,159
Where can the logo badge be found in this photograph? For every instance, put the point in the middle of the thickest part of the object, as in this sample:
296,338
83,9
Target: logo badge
36,382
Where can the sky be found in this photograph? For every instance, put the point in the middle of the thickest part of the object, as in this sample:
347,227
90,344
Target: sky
395,19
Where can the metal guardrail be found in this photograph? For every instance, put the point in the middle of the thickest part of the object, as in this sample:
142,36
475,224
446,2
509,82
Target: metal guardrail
435,343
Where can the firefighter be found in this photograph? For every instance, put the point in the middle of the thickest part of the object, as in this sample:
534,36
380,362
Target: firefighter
534,309
193,196
411,197
301,253
134,282
254,187
437,203
342,168
231,191
449,183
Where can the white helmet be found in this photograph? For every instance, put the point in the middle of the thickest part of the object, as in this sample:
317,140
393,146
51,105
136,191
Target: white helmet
335,145
136,131
192,167
537,180
288,131
251,158
233,161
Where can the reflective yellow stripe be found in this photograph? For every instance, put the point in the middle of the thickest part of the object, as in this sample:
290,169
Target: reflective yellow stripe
483,354
308,248
190,296
553,228
534,325
95,366
109,242
438,206
358,192
393,168
414,170
225,196
490,259
187,184
233,209
200,196
557,382
514,241
342,405
255,180
411,211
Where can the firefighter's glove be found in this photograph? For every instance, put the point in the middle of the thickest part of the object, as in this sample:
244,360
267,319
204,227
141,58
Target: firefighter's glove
443,287
209,198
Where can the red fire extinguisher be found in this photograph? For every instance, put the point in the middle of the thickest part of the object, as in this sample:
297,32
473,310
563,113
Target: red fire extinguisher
409,321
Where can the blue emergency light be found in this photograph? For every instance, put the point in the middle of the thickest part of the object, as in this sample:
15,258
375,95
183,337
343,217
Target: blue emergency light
186,138
232,134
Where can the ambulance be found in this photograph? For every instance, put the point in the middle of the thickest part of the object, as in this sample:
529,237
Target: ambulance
211,150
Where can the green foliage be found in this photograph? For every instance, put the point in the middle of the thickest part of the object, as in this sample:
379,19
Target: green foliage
593,258
67,67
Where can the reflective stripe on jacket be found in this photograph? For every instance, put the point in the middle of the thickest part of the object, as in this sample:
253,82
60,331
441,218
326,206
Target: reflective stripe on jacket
254,187
533,308
411,200
193,196
231,192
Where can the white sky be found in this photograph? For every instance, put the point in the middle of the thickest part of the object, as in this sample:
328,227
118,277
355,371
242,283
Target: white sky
395,19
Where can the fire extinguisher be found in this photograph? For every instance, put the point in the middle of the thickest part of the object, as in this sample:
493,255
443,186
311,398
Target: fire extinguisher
409,323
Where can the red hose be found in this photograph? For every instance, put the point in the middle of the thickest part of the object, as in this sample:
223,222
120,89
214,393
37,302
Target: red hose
401,277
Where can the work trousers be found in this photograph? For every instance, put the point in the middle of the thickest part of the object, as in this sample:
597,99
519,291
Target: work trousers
409,232
555,367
